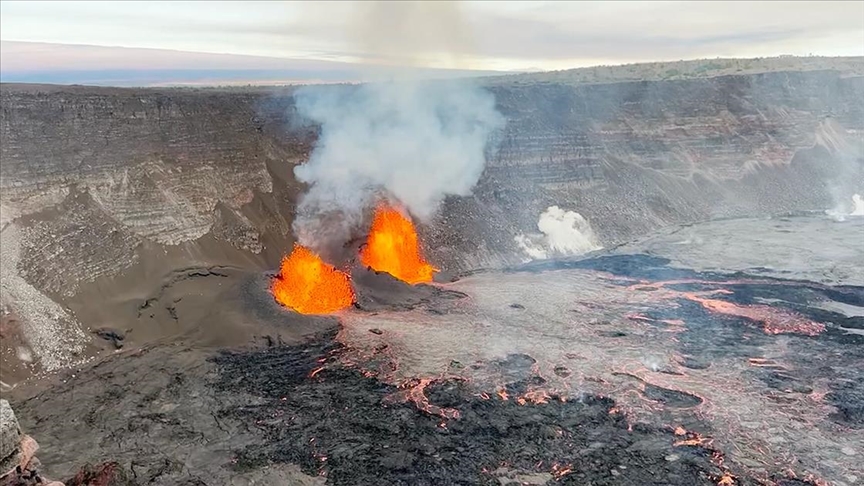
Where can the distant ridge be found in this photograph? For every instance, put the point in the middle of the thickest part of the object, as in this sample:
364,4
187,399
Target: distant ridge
38,62
66,64
686,69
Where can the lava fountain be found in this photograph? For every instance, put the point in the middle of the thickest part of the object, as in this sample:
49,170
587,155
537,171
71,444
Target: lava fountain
393,247
309,285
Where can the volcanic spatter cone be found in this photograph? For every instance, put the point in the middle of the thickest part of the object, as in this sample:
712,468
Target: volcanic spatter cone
393,247
309,285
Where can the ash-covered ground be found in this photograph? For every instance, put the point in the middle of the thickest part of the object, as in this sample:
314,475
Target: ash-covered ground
730,364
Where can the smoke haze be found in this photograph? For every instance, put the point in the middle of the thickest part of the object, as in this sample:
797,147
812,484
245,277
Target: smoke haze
857,205
412,140
841,211
412,33
847,178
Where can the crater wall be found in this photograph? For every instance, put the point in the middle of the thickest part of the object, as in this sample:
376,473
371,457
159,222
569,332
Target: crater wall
116,197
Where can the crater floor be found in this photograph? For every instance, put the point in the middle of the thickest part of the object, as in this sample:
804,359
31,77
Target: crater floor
677,360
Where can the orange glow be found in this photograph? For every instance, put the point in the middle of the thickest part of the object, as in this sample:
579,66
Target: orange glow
692,441
536,397
415,391
309,286
393,247
559,471
726,480
691,438
774,321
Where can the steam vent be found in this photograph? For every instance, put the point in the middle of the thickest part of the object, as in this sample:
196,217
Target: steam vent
647,274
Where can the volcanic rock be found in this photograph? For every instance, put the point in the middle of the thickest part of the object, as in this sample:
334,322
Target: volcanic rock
10,438
106,474
380,290
113,336
18,463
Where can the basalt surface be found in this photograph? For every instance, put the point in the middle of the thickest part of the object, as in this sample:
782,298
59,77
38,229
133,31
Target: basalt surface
622,368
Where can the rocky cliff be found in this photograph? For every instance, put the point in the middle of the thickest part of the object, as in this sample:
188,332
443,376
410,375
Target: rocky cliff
636,156
120,205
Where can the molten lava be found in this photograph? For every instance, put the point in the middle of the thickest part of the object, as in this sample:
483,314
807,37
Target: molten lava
773,321
309,286
393,247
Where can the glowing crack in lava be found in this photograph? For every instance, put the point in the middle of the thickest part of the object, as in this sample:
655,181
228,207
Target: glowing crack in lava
393,247
773,321
309,286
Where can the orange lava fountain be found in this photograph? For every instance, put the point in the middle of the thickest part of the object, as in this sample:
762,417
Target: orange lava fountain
309,286
393,247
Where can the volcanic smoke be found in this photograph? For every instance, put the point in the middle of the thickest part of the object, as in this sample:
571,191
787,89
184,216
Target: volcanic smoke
414,141
393,247
563,233
857,205
309,286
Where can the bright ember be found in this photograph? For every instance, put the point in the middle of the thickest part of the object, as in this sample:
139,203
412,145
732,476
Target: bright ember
393,247
309,286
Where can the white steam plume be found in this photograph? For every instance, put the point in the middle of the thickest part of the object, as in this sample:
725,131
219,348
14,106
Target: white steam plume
412,140
417,141
563,233
841,211
858,205
848,171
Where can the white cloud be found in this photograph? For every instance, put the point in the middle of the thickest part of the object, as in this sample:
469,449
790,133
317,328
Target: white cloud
505,35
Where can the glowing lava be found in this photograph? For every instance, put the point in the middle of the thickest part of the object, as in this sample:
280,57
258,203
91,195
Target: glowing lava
773,321
309,286
393,247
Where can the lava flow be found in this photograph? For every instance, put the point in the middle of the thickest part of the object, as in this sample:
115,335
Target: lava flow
393,247
309,286
773,321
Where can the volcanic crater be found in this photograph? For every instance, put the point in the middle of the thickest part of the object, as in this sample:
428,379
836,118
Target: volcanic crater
717,338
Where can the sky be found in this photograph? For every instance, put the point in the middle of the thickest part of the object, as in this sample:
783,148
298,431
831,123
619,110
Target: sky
484,35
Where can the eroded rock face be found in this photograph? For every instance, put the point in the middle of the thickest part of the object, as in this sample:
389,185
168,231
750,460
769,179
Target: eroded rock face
156,161
108,192
634,157
629,156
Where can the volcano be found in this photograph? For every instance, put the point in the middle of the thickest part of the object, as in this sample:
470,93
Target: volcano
162,323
